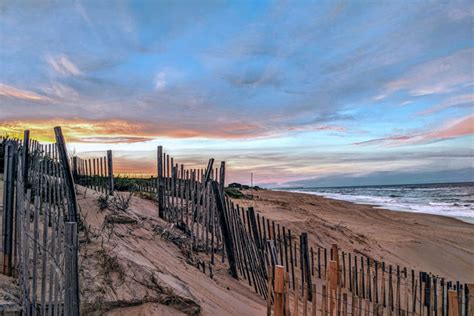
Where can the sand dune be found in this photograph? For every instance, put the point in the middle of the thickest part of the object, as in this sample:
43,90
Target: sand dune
129,267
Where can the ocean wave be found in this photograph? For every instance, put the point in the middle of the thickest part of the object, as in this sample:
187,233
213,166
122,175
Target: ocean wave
399,202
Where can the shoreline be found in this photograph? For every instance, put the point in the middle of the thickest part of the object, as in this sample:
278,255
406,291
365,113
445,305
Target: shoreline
425,242
465,219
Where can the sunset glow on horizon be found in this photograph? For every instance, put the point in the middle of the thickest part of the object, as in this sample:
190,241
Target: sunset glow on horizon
300,94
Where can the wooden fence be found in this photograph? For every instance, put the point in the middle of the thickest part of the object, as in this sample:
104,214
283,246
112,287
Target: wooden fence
194,201
257,242
94,173
40,233
393,287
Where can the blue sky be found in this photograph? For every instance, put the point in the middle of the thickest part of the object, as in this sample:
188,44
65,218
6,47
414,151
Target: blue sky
296,92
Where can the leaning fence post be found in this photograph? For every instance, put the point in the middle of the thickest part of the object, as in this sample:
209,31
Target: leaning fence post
253,224
71,192
8,204
72,300
229,245
110,172
71,297
222,176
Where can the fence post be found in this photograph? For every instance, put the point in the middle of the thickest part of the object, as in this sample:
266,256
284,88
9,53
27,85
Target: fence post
453,307
110,174
279,287
304,239
314,307
253,224
71,297
222,176
74,168
160,182
226,232
269,286
8,204
333,284
71,192
25,157
469,292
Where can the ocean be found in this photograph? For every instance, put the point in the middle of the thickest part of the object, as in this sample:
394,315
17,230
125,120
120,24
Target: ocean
448,199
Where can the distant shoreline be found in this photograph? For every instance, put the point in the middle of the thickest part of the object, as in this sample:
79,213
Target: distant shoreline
465,219
445,199
468,183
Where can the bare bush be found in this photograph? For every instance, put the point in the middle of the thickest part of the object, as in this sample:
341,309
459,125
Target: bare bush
121,202
103,201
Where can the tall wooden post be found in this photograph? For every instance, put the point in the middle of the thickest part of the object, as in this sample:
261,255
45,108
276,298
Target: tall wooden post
72,215
25,157
71,298
206,179
11,148
160,183
71,282
226,231
110,172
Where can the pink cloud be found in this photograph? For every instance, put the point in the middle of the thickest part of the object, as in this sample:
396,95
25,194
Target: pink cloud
459,128
453,129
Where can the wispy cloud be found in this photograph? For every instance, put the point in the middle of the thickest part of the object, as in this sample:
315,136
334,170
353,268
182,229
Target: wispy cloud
441,75
12,92
63,65
453,101
160,81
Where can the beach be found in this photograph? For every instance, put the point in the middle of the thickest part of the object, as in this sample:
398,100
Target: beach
441,245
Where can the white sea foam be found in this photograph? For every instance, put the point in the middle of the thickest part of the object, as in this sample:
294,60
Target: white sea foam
450,200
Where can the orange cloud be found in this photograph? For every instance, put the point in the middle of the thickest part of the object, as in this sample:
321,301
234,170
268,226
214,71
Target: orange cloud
121,131
107,131
110,131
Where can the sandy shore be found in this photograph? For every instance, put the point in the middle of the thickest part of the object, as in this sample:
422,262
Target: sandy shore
432,243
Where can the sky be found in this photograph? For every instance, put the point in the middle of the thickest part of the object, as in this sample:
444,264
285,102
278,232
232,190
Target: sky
307,93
